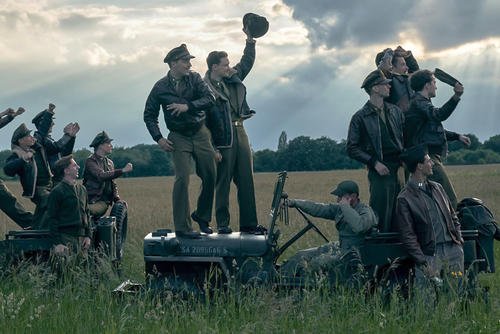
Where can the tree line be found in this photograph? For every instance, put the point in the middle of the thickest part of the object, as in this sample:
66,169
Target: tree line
302,153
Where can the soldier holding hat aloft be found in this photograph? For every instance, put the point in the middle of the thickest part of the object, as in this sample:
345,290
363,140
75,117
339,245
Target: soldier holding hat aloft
423,125
225,120
375,138
102,190
184,98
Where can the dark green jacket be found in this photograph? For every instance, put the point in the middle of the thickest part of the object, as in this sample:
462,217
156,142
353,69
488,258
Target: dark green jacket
352,223
67,212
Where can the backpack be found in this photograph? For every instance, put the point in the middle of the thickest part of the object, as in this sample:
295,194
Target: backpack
474,215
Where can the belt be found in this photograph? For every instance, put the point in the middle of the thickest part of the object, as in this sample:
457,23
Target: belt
237,123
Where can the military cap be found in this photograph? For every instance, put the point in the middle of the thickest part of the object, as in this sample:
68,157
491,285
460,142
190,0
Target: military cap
256,25
177,53
61,165
21,132
413,155
376,77
346,187
102,137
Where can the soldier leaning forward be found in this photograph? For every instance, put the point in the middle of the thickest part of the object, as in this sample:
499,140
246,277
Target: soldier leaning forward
8,202
29,161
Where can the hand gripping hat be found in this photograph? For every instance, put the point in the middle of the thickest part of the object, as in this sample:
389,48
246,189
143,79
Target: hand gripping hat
101,138
257,25
346,187
44,119
177,53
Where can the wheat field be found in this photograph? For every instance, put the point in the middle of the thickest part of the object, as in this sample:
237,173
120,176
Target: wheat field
31,302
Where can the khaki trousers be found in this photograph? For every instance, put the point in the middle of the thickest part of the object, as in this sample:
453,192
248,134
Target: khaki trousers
236,166
198,147
439,175
383,193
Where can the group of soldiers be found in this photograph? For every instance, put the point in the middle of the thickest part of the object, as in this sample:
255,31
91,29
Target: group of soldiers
48,175
399,133
205,118
398,126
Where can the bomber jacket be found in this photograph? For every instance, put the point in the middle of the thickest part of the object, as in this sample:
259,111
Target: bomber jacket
353,223
192,91
414,223
423,124
364,141
18,164
99,173
55,149
219,115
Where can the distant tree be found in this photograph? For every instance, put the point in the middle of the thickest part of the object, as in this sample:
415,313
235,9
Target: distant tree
493,143
477,157
264,161
282,142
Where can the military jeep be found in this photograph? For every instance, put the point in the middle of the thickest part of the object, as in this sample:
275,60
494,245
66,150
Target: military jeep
219,261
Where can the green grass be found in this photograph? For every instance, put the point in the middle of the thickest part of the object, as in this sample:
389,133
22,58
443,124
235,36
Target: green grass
32,300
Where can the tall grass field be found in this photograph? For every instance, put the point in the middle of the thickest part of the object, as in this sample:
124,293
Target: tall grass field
33,299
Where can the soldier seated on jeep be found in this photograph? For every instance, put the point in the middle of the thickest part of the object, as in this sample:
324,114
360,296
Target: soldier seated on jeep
353,220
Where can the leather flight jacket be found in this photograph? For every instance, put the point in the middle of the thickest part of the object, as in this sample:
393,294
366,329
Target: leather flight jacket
55,150
423,124
414,223
100,173
219,120
364,141
17,164
192,91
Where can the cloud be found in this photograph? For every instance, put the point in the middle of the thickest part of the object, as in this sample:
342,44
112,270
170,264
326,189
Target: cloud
337,24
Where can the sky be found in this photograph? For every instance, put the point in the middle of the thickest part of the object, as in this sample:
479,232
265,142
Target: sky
98,60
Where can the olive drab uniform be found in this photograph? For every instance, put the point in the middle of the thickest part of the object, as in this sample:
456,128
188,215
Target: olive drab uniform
67,216
225,120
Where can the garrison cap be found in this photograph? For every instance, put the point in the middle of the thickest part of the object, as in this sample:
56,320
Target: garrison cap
61,165
20,132
414,154
177,53
101,138
346,187
376,77
257,25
